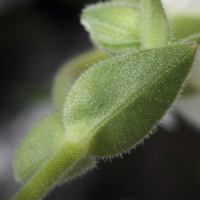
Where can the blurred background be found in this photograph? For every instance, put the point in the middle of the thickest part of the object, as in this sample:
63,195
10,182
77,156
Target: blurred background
36,38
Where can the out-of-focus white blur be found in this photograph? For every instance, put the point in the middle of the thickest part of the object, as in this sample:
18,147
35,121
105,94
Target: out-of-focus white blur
182,6
187,106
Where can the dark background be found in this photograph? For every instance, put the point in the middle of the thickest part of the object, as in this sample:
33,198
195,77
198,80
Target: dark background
36,38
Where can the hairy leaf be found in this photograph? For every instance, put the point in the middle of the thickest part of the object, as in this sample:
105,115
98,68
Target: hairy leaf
117,102
154,27
70,72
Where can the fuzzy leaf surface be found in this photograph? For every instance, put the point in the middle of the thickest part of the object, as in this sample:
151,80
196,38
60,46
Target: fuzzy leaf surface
154,27
117,102
78,169
70,72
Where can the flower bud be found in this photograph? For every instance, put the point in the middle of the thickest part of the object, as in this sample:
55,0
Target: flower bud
117,102
112,26
154,26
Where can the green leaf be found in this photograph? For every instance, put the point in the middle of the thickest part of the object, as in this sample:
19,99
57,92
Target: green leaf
77,169
112,26
117,102
154,29
70,72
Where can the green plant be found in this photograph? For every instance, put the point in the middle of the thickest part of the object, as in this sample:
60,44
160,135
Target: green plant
115,103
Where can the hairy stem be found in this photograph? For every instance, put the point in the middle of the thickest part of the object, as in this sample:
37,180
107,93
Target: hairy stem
45,179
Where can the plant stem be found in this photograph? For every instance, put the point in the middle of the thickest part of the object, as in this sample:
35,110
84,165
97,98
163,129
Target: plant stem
45,179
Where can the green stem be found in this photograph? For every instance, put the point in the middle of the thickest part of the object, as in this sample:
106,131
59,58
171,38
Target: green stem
45,179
